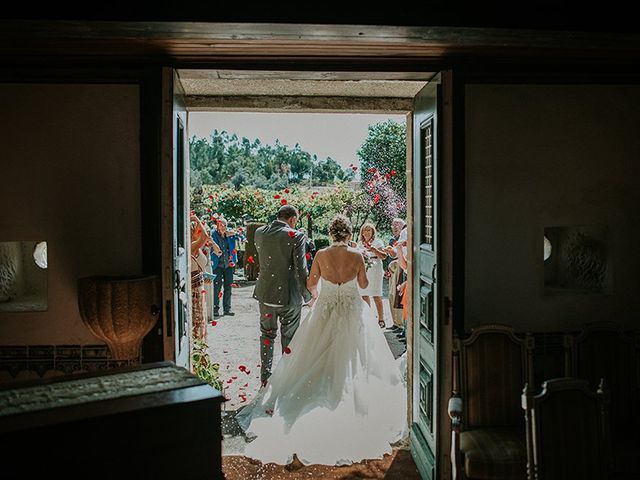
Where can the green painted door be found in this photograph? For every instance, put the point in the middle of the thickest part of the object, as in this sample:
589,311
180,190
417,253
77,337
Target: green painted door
175,209
427,330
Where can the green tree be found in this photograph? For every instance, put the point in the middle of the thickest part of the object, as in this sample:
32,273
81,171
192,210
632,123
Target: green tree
385,150
226,159
383,171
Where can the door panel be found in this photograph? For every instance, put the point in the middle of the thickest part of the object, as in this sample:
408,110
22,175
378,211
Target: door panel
427,327
175,234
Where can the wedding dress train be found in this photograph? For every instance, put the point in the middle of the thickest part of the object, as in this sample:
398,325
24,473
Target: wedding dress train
338,396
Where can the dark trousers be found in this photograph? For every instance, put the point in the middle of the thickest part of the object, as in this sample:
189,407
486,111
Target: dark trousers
289,317
222,275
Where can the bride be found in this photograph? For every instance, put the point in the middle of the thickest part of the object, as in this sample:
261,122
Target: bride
336,396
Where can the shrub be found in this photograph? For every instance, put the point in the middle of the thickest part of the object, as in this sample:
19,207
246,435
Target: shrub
203,366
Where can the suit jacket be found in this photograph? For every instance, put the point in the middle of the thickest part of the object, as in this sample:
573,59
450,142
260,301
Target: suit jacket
283,268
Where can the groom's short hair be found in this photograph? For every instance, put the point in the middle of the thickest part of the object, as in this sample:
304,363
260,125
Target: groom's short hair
286,212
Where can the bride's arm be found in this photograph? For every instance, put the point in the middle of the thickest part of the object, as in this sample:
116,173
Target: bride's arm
314,276
363,281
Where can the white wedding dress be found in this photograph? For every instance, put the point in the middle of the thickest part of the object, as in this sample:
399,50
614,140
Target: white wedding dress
338,397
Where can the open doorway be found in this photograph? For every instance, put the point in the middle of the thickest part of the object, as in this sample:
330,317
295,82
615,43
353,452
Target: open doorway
244,166
197,83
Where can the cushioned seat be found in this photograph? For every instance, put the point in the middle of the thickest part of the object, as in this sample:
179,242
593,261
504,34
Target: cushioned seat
494,453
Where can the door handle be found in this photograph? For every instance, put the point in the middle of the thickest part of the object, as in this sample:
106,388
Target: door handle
433,273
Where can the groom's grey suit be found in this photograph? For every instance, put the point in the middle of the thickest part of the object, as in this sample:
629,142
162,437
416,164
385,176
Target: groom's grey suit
281,287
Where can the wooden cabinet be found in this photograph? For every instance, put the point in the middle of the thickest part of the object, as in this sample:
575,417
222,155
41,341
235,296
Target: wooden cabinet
155,421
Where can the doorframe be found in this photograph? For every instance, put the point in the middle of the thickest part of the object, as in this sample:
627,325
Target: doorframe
444,374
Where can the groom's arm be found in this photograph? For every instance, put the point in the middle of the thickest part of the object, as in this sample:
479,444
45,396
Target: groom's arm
300,265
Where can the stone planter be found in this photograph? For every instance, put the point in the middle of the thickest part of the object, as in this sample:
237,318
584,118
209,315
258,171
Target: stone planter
120,311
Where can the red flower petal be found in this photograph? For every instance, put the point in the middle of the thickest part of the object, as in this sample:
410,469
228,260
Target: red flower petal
210,197
242,368
268,315
286,190
248,372
231,264
307,256
291,233
250,259
267,341
276,196
203,291
393,172
214,323
234,251
376,199
283,202
220,295
287,350
234,377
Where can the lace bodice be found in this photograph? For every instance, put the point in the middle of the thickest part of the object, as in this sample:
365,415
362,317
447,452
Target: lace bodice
346,289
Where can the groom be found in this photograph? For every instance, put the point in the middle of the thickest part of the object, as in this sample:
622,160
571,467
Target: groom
282,283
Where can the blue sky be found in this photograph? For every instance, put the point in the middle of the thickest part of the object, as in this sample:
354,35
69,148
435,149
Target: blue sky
335,135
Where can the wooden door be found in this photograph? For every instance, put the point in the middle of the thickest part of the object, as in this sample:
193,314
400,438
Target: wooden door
430,327
175,232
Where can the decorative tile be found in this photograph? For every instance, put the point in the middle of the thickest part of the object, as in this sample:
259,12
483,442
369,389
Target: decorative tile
13,352
41,351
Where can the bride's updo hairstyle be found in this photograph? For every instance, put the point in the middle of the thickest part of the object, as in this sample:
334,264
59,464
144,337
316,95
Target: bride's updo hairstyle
340,228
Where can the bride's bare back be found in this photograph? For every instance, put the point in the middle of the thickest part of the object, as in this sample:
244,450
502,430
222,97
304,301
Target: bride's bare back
338,264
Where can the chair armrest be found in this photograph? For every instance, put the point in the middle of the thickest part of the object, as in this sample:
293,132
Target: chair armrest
455,412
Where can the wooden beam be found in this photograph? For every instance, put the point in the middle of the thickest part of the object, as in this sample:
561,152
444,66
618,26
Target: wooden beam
216,74
200,42
265,103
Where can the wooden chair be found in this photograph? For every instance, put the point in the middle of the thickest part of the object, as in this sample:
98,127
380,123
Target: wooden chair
604,350
567,431
491,367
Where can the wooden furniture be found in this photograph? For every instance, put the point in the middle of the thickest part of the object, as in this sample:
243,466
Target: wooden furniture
602,350
566,431
155,421
491,367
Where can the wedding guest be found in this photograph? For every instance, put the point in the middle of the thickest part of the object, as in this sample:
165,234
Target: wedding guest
398,276
198,262
374,248
224,266
401,251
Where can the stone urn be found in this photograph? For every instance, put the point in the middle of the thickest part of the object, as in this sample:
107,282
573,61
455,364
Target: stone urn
120,311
